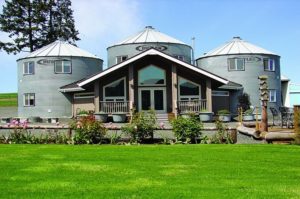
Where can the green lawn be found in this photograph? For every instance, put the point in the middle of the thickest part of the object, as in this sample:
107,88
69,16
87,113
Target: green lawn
179,171
8,99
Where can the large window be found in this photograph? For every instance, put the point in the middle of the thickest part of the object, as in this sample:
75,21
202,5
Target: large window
121,58
152,76
180,57
62,66
28,68
269,65
236,64
188,90
272,95
115,91
29,99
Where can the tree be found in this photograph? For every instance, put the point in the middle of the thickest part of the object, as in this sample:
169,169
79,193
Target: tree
32,24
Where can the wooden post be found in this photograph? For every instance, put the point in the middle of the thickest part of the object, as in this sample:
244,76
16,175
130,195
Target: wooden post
130,86
297,123
96,98
174,89
208,95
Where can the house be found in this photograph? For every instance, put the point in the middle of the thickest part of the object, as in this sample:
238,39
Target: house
149,70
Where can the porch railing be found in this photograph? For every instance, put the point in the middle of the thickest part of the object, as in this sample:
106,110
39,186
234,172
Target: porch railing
114,107
193,106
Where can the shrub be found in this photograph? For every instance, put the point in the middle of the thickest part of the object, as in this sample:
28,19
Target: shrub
142,125
88,131
222,136
244,101
187,129
249,111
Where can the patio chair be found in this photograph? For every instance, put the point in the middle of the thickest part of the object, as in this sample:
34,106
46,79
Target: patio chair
287,116
275,113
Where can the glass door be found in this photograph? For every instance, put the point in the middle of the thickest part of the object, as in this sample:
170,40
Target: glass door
152,98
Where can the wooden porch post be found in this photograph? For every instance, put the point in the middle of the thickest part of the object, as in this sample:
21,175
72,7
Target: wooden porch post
131,86
96,98
174,89
208,95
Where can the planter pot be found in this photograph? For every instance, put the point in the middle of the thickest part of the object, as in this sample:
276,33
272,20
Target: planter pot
225,118
119,117
185,115
205,116
258,117
248,117
102,117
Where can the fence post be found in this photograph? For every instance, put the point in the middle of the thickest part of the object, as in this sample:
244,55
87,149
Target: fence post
297,123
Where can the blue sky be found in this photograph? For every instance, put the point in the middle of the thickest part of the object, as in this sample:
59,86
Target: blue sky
271,24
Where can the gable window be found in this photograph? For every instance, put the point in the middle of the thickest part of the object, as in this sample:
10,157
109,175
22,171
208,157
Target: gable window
188,90
269,64
28,68
120,59
180,57
272,95
29,99
115,91
152,76
236,64
62,66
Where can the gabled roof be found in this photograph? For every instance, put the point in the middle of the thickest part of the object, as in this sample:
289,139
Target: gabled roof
152,51
237,46
60,48
149,35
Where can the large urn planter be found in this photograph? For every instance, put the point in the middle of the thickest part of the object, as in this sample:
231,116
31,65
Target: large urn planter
119,117
205,116
224,115
102,117
248,117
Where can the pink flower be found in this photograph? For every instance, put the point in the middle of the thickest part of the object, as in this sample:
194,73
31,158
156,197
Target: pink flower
162,125
57,123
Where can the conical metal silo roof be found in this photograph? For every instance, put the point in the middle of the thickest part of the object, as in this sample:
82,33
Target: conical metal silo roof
237,46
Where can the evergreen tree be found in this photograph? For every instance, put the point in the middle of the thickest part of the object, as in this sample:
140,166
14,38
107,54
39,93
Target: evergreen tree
32,24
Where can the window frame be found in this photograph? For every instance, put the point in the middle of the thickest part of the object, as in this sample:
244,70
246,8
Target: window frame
24,100
220,93
115,98
188,97
269,66
235,64
179,57
26,65
121,60
145,85
274,91
63,72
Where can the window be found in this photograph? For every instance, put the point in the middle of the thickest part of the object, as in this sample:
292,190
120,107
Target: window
62,66
28,68
272,95
152,76
83,95
180,57
269,65
29,99
220,93
236,64
120,59
188,90
115,91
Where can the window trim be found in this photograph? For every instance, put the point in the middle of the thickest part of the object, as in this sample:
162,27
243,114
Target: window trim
188,96
115,98
268,69
275,95
26,64
121,58
24,100
177,57
63,72
220,95
159,85
235,63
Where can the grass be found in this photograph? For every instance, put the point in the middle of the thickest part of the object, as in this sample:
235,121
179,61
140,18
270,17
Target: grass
8,99
179,171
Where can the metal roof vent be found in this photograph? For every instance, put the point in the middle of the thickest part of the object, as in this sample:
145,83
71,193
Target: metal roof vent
149,27
237,38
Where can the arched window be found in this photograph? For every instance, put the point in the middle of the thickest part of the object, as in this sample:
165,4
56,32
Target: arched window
151,76
188,90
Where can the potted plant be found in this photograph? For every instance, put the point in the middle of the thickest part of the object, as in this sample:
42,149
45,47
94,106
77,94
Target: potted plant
119,117
248,115
224,115
205,115
82,113
101,116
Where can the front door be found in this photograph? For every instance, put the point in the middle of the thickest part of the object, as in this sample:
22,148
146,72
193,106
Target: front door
152,98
